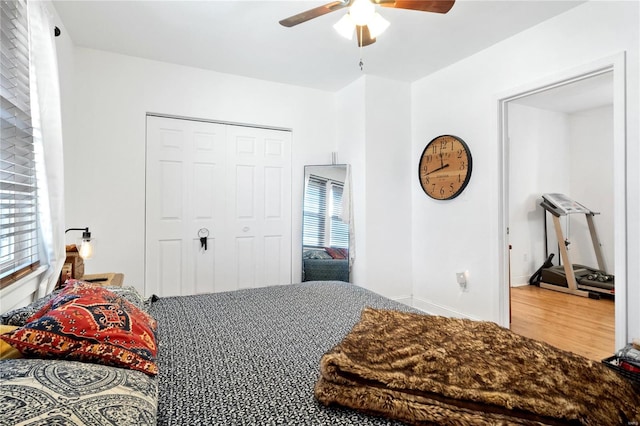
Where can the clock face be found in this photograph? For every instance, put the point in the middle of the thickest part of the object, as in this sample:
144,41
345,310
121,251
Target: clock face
445,167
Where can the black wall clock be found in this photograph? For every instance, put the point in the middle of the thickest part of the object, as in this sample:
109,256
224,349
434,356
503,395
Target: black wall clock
445,167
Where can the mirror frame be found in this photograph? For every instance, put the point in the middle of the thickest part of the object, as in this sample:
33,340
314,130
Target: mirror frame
327,263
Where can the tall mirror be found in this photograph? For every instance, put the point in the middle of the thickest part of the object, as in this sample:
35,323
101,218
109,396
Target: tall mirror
325,223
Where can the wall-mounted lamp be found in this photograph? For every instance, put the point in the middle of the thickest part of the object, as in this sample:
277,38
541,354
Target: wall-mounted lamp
85,248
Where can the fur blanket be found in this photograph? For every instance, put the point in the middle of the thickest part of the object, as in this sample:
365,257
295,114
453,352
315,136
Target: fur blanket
425,369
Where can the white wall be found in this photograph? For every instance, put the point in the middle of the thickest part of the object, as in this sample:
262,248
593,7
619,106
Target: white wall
104,143
388,191
538,162
374,136
350,137
591,135
462,99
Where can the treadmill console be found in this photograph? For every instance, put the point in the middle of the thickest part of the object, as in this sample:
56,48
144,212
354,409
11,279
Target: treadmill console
561,205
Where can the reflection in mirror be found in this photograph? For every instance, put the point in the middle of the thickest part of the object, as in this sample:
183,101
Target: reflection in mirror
325,223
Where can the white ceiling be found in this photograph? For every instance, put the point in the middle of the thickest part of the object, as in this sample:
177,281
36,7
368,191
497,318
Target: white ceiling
244,37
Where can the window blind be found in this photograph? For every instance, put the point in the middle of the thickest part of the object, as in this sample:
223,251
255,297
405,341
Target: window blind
315,210
339,233
323,225
18,187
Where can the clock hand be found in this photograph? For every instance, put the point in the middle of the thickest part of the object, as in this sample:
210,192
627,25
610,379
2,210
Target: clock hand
438,169
441,162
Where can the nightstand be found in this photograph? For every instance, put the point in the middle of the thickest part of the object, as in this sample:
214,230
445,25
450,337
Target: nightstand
106,279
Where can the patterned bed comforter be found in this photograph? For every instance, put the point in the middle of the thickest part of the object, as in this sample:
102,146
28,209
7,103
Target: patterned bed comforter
39,392
251,357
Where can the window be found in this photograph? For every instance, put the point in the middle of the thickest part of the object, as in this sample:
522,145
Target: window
323,225
18,188
339,233
315,208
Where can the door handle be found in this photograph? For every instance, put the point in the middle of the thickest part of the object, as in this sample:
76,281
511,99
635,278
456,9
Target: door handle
203,234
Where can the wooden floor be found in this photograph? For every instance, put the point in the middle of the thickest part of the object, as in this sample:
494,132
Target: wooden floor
577,324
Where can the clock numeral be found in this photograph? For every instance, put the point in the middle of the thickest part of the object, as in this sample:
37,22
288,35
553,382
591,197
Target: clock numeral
463,165
429,158
459,177
451,188
442,190
443,145
460,152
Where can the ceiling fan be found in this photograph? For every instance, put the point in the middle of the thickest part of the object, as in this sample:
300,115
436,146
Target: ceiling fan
363,17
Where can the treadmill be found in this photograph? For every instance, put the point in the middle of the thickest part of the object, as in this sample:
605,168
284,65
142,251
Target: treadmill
572,278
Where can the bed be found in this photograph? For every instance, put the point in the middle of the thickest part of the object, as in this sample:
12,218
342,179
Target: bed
325,264
248,357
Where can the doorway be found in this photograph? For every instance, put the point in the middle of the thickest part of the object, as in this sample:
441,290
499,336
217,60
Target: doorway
565,135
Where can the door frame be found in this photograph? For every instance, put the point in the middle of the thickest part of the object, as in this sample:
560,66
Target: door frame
617,65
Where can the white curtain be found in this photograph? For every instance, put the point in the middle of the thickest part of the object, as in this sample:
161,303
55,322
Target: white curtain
347,216
47,130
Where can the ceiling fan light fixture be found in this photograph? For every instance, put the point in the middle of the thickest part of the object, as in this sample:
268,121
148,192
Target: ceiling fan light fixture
345,27
377,25
362,11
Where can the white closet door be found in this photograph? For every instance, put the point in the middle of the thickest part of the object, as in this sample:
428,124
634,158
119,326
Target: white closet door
259,197
232,182
185,189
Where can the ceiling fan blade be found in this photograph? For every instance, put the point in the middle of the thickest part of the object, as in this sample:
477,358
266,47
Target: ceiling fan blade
364,36
314,13
437,6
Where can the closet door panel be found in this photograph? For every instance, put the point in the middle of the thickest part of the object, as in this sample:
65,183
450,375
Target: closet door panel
185,180
260,162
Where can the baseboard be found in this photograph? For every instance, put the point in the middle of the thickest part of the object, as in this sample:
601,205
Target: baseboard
431,308
407,300
520,280
434,309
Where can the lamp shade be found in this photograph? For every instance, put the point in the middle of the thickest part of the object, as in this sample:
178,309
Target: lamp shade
377,25
85,248
85,244
345,27
362,12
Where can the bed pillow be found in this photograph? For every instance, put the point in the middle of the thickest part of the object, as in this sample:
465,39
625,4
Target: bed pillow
87,322
36,392
316,254
337,253
6,350
19,316
132,295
